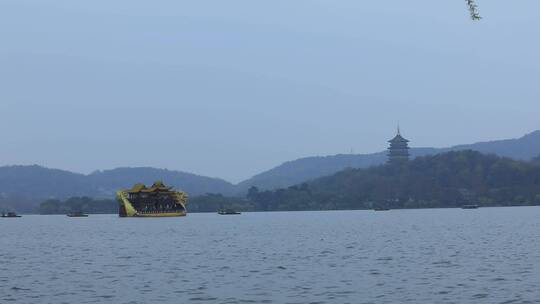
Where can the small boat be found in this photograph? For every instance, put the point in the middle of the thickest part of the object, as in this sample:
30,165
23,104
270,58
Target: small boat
10,214
228,212
77,214
470,207
381,209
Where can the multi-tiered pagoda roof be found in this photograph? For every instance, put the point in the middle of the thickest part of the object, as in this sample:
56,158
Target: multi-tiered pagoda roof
158,186
399,149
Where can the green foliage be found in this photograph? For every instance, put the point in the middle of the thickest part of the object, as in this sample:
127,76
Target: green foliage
473,10
78,204
445,180
214,202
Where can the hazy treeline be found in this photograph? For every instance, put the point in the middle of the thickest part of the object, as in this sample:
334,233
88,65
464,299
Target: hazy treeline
214,202
76,204
445,180
23,188
203,203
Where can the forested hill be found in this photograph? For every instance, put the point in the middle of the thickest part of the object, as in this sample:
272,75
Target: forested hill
22,188
524,148
108,181
445,180
304,169
450,179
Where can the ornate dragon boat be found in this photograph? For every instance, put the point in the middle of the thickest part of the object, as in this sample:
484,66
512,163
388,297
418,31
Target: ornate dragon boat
155,201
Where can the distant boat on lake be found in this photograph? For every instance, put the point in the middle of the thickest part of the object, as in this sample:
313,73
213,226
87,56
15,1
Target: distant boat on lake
381,209
77,214
228,212
10,214
470,207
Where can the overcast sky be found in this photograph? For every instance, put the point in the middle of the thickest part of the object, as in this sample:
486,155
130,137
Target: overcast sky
231,88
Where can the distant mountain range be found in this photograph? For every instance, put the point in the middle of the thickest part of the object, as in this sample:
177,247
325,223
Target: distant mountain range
304,169
22,188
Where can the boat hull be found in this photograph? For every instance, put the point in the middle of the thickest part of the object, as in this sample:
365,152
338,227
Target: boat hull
160,214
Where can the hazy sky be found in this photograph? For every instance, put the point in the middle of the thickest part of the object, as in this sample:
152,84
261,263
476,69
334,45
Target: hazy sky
232,88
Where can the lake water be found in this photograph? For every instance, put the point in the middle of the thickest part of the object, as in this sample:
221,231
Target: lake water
489,255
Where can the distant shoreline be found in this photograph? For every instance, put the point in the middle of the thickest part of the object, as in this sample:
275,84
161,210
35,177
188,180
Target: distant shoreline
329,210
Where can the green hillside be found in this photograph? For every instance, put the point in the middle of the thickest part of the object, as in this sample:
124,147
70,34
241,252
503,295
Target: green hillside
444,180
309,168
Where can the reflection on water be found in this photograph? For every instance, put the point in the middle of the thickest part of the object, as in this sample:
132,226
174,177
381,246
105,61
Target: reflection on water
487,255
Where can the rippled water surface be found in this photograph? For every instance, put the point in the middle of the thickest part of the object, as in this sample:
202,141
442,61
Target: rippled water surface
488,255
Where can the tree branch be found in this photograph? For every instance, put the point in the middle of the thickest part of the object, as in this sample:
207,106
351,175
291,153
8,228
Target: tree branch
473,10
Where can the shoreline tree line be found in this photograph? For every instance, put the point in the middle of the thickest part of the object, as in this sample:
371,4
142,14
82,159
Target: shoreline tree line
444,180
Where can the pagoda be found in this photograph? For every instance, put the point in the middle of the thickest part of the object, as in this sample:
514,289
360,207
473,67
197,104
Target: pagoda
398,152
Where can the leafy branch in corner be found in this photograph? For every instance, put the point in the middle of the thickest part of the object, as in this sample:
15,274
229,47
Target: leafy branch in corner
473,10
